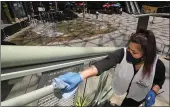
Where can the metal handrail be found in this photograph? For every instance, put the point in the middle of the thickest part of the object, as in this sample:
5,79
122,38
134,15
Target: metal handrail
14,54
28,97
15,73
152,14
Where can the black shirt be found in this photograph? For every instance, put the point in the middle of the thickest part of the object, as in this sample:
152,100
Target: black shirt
116,57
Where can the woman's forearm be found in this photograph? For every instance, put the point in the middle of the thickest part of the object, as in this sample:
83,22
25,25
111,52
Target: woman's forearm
89,72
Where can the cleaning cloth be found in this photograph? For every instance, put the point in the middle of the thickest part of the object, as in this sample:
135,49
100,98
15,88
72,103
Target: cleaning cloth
58,85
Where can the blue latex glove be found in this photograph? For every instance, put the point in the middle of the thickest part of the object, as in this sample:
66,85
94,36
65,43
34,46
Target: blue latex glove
58,85
150,98
72,79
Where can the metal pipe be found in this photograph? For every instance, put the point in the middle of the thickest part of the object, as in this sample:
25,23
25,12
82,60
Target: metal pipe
137,7
153,14
20,72
128,8
29,97
56,6
12,56
132,7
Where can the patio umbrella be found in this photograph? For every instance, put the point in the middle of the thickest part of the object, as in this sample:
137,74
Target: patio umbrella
117,5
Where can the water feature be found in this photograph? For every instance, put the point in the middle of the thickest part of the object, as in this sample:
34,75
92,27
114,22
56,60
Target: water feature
45,28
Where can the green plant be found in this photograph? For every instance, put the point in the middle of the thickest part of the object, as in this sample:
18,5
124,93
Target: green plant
82,101
5,6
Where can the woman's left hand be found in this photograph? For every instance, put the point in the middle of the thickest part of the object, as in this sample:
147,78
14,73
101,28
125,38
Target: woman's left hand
150,98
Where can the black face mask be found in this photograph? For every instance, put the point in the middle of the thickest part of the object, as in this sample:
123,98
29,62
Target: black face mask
131,59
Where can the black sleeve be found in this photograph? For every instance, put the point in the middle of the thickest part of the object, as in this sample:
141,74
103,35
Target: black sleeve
110,61
159,74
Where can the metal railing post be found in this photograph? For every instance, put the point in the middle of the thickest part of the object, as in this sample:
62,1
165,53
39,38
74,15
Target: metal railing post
142,23
144,18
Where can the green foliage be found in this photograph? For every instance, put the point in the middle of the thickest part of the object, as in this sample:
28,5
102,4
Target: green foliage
5,6
82,101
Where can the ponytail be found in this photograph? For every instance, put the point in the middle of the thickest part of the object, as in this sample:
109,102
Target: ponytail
147,41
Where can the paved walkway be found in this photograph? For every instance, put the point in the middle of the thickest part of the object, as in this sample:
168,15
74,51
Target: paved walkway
127,24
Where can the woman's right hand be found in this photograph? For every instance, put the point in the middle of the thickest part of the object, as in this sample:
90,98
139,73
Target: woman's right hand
72,79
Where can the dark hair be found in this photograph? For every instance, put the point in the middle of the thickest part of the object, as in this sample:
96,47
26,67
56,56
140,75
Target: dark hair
147,41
